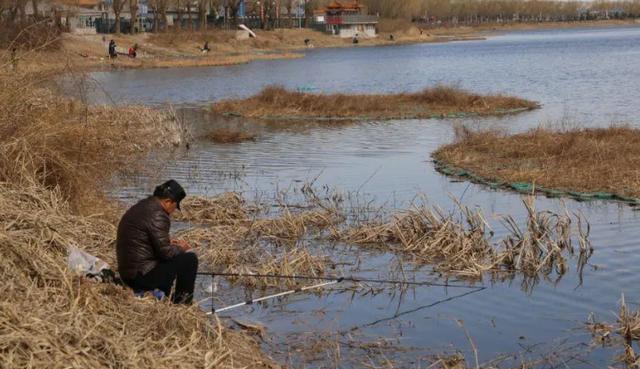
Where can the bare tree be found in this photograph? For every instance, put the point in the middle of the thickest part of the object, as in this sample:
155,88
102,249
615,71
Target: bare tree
189,14
133,9
202,13
36,12
117,6
233,6
162,9
289,4
179,11
154,5
22,10
268,9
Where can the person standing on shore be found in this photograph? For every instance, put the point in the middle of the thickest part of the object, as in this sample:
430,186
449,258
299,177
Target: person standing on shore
112,50
148,258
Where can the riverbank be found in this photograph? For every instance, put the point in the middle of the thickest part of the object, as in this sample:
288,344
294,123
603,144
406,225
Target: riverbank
57,159
183,48
598,163
276,102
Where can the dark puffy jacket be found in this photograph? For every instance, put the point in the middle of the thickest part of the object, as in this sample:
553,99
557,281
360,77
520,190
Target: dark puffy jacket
143,238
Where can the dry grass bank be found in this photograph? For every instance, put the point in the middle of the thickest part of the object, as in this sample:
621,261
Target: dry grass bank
67,145
578,160
55,157
281,39
441,101
182,49
51,319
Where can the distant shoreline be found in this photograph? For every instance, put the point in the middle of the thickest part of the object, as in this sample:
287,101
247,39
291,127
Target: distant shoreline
181,49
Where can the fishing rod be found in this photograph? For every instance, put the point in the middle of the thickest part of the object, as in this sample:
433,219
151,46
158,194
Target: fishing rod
285,293
349,279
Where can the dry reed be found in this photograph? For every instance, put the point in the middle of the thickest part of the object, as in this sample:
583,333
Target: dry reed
461,247
232,238
290,226
231,209
66,144
50,318
627,328
277,102
225,209
430,236
56,150
228,249
584,160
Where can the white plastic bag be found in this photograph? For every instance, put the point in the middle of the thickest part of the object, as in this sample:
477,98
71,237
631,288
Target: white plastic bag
84,263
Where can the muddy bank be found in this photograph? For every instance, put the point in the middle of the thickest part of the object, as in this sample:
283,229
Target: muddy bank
585,164
438,102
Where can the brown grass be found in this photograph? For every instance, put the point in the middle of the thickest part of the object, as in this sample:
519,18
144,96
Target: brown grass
229,136
439,101
55,157
228,208
50,318
29,36
64,144
237,237
461,247
627,329
584,160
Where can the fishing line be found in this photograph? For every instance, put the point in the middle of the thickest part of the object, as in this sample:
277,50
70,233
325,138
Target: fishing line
340,279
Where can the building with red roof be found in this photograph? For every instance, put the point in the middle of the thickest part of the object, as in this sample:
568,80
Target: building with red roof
346,19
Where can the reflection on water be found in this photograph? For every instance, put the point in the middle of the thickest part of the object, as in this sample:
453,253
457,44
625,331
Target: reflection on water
586,76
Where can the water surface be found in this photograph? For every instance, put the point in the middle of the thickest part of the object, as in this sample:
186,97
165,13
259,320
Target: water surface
582,77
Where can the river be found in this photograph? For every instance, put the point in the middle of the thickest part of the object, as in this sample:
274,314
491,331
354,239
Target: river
582,77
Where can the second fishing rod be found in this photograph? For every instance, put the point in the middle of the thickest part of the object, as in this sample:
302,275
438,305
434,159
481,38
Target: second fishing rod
346,278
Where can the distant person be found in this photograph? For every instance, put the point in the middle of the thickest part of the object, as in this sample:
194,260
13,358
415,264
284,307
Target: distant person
112,50
306,42
148,259
133,51
354,40
391,37
205,49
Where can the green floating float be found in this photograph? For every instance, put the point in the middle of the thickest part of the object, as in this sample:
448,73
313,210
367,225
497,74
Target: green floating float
526,187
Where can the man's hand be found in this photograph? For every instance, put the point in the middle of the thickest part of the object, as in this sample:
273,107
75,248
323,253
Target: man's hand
182,244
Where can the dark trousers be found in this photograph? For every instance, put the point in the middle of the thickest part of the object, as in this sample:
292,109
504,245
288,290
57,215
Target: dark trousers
182,269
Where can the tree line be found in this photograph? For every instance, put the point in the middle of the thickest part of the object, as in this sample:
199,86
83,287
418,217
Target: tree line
14,14
475,11
470,11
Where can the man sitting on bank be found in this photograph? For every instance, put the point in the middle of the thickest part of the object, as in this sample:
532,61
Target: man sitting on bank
148,258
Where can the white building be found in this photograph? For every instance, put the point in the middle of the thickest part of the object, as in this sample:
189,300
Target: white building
346,20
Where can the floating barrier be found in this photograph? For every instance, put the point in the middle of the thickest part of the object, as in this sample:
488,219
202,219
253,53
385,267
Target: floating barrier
528,188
